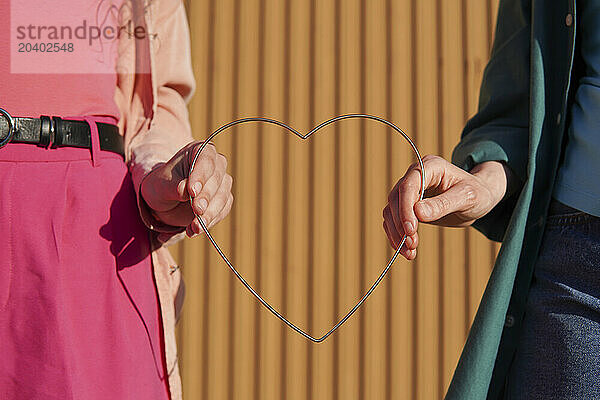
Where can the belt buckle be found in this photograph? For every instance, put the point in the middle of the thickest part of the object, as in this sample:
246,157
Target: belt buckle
11,127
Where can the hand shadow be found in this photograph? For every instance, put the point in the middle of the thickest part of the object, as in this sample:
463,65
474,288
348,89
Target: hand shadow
128,236
130,245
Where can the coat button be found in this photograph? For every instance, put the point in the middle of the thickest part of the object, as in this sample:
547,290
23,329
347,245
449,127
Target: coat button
558,119
509,322
569,19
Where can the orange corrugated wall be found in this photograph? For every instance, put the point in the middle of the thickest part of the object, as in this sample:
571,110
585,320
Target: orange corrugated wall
306,225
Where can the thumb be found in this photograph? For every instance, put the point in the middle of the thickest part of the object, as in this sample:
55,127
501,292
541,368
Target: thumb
166,192
437,207
174,190
182,192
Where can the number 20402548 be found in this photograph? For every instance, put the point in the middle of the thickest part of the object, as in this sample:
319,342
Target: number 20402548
45,47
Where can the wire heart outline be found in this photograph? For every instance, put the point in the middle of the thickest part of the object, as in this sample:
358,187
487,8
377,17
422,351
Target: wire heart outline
305,137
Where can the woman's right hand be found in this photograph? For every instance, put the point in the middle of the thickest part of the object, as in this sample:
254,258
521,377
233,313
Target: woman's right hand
168,187
453,197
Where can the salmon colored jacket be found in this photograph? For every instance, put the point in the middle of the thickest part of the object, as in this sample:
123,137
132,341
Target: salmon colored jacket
155,82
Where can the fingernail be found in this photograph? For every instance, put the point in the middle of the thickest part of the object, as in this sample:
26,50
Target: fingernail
203,204
408,228
408,242
196,188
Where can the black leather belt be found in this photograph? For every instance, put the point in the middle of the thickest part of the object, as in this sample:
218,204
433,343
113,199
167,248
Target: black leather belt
57,132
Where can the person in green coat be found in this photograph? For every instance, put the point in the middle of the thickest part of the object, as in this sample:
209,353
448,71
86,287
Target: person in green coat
526,172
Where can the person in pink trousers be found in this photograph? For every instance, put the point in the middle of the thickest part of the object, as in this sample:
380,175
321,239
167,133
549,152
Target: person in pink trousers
94,166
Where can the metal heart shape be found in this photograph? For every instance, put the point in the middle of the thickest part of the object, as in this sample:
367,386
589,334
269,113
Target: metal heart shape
304,137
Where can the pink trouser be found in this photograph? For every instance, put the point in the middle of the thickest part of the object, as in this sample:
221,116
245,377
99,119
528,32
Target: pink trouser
79,314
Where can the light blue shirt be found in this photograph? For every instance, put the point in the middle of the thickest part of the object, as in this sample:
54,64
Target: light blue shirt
578,180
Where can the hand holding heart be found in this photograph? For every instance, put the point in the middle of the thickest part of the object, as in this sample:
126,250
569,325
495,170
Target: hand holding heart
168,188
453,197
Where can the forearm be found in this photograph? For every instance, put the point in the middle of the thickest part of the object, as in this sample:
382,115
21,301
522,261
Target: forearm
170,130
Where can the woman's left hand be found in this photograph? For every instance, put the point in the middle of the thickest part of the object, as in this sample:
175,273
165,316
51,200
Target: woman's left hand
167,189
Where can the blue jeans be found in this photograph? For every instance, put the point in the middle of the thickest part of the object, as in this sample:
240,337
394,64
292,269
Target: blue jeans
559,351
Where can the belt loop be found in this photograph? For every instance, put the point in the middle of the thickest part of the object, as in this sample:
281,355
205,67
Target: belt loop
46,131
95,140
57,140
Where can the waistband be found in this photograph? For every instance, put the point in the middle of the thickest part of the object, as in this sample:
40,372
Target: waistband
557,207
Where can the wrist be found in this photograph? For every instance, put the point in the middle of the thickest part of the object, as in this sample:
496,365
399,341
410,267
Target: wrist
495,176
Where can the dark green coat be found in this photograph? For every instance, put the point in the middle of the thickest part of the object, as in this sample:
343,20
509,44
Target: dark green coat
523,108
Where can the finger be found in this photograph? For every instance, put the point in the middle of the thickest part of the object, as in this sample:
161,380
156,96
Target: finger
408,194
448,202
391,234
394,205
211,186
410,188
203,169
412,242
182,193
224,212
390,228
218,202
196,227
395,239
189,231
